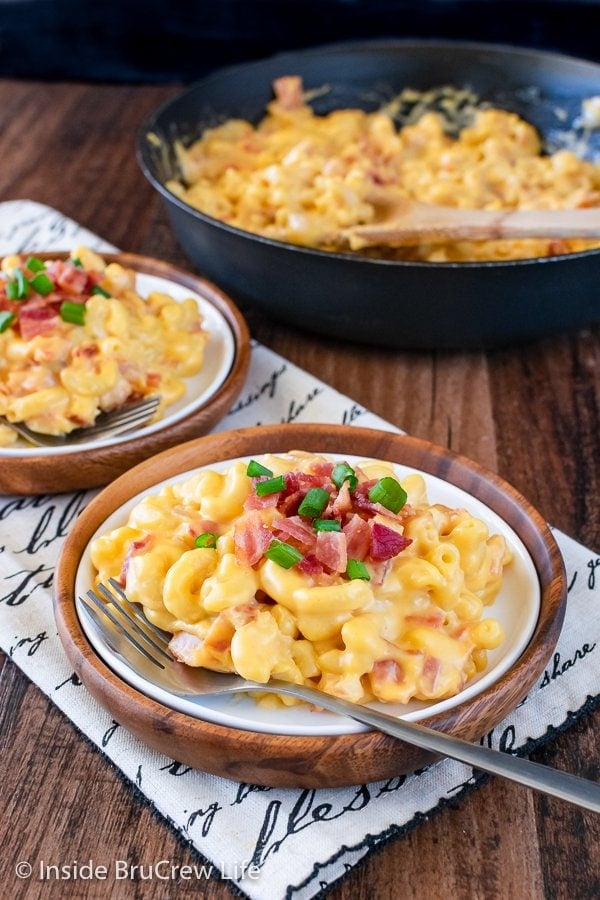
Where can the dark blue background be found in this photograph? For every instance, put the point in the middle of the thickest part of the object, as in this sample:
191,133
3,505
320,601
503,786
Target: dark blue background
181,40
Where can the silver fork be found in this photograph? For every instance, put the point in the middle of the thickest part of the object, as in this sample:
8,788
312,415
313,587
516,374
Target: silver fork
144,648
109,424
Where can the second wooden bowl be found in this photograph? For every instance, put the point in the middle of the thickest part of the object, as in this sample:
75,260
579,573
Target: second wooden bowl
36,471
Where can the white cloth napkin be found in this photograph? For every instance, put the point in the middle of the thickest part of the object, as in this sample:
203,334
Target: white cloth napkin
280,842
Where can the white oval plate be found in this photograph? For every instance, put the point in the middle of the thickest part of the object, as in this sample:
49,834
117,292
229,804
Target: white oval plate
516,607
219,355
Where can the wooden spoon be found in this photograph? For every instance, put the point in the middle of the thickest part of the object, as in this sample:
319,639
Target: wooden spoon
407,222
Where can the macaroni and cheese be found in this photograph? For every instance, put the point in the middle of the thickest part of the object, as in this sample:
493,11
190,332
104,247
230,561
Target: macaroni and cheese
303,178
76,339
314,571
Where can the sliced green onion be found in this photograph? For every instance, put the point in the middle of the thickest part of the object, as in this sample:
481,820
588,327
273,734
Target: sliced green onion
342,472
72,312
357,569
42,284
389,493
76,262
22,283
314,502
254,469
206,539
34,264
6,320
283,554
327,525
270,486
18,288
100,290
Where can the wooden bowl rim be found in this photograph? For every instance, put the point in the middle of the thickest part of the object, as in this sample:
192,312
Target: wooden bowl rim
504,695
22,470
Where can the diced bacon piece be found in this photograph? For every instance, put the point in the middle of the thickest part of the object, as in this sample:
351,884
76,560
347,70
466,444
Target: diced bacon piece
358,537
558,246
323,469
431,672
343,502
6,305
85,351
253,501
242,613
251,538
361,501
379,570
291,482
37,301
360,496
70,278
34,321
134,548
309,565
288,506
386,543
308,480
298,528
185,647
288,91
331,551
202,526
153,379
386,671
432,619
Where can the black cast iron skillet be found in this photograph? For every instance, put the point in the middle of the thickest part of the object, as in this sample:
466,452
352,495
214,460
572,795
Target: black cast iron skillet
383,302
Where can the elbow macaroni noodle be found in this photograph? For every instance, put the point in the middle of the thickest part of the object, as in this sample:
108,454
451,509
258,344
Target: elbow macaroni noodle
57,375
413,627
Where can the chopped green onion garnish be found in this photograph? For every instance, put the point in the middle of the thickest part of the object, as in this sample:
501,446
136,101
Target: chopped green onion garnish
42,284
343,472
100,290
283,554
254,469
314,502
389,493
76,262
72,312
22,283
34,264
6,320
206,539
357,569
327,525
270,486
18,288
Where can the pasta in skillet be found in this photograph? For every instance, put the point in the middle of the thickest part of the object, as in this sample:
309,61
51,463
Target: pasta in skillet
299,567
77,339
301,177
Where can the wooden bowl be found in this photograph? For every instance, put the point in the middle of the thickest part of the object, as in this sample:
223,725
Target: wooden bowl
34,471
309,761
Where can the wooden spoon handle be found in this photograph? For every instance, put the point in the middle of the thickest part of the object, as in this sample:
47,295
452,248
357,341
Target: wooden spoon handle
444,224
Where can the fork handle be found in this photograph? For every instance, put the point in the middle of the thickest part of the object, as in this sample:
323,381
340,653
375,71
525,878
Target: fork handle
545,779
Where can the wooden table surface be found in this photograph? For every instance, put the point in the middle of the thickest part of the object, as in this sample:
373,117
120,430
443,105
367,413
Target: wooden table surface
529,413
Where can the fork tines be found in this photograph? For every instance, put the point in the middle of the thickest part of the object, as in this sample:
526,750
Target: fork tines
129,620
126,415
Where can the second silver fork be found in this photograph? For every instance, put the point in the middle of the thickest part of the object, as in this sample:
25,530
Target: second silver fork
107,425
144,649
